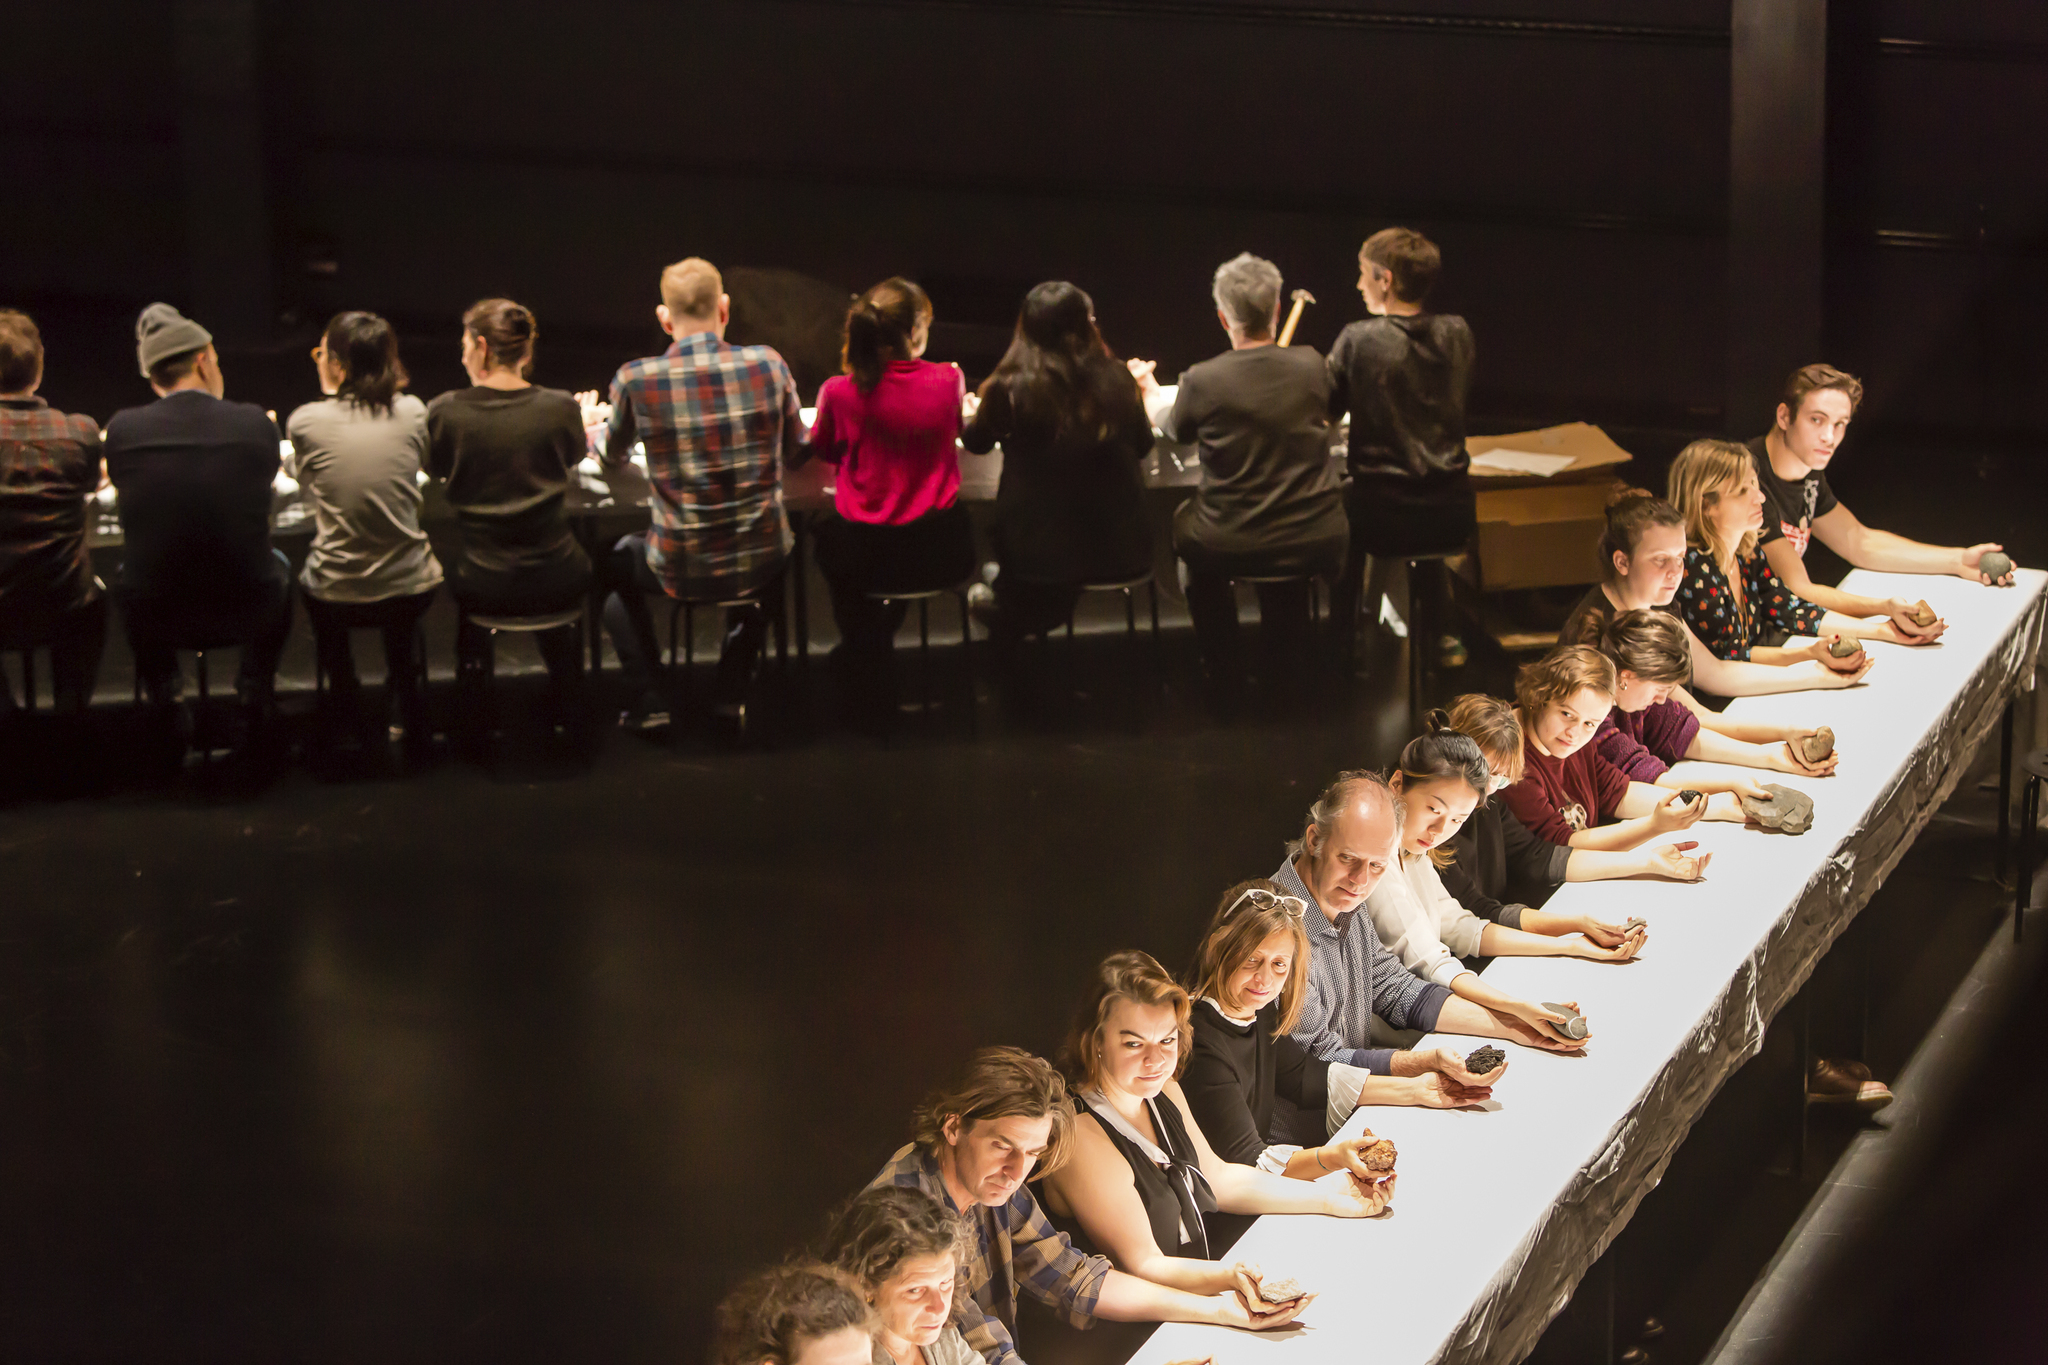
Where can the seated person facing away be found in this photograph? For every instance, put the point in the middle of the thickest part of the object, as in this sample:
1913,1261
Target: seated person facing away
1403,375
1568,793
194,474
1730,597
1269,502
975,1145
720,422
1441,779
49,470
890,426
1071,506
507,450
905,1248
1650,729
1643,549
1502,872
1141,1176
803,1313
358,453
1791,462
1249,1084
1355,983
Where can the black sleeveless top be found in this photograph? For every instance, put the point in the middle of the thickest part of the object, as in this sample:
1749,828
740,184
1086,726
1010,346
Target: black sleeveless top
1176,1197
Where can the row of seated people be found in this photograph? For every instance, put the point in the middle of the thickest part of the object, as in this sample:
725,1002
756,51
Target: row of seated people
720,423
1223,1092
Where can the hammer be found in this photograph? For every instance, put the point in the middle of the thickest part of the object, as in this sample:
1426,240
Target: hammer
1300,297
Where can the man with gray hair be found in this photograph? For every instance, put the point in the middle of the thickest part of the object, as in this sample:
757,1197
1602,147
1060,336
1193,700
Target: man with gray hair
1269,504
1351,839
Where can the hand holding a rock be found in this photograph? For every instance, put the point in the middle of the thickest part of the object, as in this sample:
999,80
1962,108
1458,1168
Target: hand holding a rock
1808,753
1667,817
1915,620
1986,563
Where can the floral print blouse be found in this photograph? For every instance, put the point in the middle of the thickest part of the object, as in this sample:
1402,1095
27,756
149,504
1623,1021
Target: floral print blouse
1731,630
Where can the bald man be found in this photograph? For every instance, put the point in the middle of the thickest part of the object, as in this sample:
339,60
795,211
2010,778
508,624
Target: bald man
1350,841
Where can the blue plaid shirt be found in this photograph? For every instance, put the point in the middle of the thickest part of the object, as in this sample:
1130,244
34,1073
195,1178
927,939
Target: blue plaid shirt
717,421
1015,1247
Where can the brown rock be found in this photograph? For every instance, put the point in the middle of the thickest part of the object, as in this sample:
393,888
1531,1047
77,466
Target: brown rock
1922,614
1380,1156
1284,1290
1483,1060
1842,646
1816,747
1789,810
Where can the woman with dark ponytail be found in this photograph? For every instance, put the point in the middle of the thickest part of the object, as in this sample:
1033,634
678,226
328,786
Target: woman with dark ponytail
890,425
358,454
1443,777
1071,509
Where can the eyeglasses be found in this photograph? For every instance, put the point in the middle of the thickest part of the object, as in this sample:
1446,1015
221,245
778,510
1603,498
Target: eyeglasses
1262,899
1495,782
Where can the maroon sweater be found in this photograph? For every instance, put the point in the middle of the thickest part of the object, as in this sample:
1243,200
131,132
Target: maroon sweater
1644,744
1558,796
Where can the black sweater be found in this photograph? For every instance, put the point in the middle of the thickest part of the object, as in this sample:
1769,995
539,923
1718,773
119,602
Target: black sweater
1500,867
1233,1074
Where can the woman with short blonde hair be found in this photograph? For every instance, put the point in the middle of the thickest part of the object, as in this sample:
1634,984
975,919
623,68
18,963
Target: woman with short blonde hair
1730,596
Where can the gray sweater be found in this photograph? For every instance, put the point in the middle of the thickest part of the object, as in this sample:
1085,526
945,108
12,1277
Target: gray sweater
1352,977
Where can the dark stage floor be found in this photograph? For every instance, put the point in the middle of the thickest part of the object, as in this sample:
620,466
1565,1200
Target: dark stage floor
453,1069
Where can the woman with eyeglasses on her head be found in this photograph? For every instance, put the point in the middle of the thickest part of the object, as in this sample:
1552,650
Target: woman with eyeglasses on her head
1653,737
1253,1089
1142,1177
358,453
1442,779
905,1249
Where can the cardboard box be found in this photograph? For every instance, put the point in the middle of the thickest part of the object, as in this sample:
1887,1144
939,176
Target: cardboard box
1539,532
1542,537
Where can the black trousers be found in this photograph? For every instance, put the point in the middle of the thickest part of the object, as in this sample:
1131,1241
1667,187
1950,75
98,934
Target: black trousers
1285,655
1387,522
158,629
631,625
397,619
75,639
859,558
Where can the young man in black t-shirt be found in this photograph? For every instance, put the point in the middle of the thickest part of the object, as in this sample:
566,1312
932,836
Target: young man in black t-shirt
1791,466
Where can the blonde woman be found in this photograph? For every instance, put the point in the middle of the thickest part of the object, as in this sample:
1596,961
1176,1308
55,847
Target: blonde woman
1729,595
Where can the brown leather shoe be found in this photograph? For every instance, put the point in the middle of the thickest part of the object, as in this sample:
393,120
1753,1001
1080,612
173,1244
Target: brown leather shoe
1846,1084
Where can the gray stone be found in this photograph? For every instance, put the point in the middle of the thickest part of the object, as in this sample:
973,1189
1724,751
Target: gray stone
1789,811
1575,1023
1842,646
1996,563
1280,1290
1816,747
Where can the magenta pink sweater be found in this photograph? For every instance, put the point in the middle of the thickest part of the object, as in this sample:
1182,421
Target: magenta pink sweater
894,446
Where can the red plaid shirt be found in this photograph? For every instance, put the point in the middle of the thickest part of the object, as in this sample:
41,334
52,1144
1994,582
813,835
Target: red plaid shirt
716,420
49,467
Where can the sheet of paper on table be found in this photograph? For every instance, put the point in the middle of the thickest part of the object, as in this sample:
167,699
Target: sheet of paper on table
1503,460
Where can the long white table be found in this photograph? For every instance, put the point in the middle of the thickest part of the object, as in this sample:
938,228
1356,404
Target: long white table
1500,1213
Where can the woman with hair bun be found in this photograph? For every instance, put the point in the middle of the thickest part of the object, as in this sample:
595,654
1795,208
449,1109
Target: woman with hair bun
358,454
890,426
1442,778
507,450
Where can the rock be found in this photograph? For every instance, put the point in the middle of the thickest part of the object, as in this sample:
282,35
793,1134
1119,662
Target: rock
1635,922
1283,1290
1789,810
1482,1060
1842,646
1380,1156
1689,796
1996,563
1922,614
1575,1023
1816,747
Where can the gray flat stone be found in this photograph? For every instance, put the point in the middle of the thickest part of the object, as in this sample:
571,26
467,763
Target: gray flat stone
1789,810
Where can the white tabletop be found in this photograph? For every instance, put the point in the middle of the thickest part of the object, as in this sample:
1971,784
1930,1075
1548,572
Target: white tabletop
1500,1212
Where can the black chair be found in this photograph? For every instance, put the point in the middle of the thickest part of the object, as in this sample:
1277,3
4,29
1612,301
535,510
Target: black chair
923,599
198,648
1420,631
476,673
685,609
1129,588
2035,766
419,653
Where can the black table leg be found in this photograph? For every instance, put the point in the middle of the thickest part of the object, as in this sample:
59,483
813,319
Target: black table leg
2004,787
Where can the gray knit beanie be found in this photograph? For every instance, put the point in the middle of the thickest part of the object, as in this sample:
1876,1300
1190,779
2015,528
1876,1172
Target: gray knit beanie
162,331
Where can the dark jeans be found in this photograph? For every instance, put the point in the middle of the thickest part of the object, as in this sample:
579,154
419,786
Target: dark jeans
861,558
397,619
1388,522
75,639
157,630
631,625
1283,609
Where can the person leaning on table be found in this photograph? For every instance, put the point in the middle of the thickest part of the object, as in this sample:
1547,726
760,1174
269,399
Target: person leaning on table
1142,1179
905,1249
975,1144
1250,1085
803,1313
1354,983
1642,550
